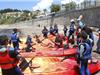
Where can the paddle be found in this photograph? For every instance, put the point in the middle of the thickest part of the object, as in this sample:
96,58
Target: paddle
24,64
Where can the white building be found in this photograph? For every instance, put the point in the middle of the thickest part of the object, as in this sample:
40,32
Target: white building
88,4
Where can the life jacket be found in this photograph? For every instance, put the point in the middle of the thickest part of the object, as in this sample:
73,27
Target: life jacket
72,29
65,29
29,40
51,30
44,31
8,61
84,51
14,37
55,28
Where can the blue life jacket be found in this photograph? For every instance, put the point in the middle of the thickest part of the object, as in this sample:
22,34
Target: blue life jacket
91,36
72,28
14,37
45,31
51,30
90,42
84,51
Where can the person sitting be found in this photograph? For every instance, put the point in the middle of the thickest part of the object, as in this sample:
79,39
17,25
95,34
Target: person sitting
45,32
9,58
15,40
51,30
29,44
58,41
55,29
65,43
37,39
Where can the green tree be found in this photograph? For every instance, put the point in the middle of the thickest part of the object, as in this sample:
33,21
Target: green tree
70,6
9,10
26,11
55,7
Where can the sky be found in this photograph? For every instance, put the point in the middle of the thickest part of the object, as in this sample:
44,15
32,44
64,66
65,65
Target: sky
32,4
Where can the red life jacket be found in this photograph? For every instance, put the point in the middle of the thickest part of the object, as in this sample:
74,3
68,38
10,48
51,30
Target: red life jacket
6,62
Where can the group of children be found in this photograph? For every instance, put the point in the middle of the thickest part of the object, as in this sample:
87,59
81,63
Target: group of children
85,42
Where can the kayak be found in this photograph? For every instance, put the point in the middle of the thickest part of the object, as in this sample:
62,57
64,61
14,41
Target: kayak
68,67
50,53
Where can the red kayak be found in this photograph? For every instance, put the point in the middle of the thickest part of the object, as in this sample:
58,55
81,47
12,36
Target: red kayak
51,53
68,67
54,66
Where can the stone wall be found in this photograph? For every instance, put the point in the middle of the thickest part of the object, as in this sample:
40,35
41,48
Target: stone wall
91,17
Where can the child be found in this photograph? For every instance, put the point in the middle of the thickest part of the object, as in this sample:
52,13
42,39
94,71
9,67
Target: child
8,58
15,39
98,43
84,54
45,32
58,41
51,30
72,29
29,44
65,30
55,29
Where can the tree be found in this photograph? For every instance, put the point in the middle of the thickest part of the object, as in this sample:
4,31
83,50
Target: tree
45,11
26,11
9,10
69,6
55,7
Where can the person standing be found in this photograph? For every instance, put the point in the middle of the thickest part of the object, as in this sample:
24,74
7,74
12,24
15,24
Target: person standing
98,43
15,40
72,29
88,30
8,58
65,30
83,54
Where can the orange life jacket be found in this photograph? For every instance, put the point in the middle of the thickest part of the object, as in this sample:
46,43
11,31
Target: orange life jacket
6,62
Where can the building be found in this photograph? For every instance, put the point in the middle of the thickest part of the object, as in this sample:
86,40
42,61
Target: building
88,4
13,14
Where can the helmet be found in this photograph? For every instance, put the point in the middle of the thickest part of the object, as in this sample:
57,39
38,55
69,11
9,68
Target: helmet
72,20
3,50
99,32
